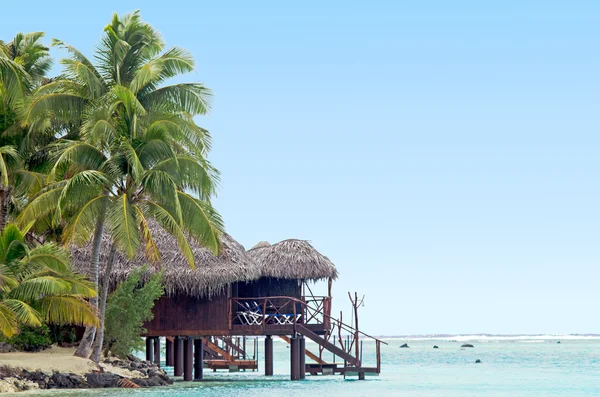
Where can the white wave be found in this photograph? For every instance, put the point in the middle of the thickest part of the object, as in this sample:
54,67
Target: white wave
493,338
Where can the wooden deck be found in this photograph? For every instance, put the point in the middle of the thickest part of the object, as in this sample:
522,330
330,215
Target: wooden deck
239,330
231,364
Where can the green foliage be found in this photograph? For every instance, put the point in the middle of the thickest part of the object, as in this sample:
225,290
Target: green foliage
32,339
37,286
128,308
62,334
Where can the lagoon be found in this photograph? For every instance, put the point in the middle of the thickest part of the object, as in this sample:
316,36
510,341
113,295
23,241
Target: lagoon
509,368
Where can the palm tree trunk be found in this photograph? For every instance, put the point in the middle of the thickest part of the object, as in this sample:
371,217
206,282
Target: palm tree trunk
85,346
4,200
97,351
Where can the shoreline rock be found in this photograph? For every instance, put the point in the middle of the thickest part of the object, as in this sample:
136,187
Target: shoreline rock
150,375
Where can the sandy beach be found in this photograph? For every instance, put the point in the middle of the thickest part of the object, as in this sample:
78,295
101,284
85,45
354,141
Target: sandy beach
60,359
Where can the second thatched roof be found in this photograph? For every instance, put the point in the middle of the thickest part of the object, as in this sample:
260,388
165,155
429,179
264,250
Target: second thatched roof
292,259
212,274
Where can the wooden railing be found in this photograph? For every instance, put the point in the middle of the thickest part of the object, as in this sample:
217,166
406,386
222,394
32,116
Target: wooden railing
285,310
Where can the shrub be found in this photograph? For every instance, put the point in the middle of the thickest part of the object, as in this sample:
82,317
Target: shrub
128,308
32,339
63,334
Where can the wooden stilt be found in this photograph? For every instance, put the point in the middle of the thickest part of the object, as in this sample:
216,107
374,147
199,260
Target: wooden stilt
149,348
188,358
157,351
198,359
269,355
178,365
361,376
294,358
302,358
169,351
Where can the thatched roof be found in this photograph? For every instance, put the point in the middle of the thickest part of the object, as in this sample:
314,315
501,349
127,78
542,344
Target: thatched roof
211,275
292,259
261,244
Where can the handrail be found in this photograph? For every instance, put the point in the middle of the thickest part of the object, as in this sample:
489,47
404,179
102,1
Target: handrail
339,323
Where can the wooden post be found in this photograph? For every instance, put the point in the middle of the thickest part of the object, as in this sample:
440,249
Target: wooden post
188,358
178,367
302,358
169,350
198,358
244,348
149,348
294,358
269,355
157,351
378,354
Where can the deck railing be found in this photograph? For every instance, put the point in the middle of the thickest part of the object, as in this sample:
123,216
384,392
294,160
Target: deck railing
289,311
280,310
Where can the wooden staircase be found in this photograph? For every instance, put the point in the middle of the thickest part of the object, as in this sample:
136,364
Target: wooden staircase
308,353
350,359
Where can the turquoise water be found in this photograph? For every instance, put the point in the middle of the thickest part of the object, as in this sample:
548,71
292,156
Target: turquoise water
509,368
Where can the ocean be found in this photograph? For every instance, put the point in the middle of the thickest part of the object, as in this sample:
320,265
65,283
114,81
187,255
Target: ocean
510,367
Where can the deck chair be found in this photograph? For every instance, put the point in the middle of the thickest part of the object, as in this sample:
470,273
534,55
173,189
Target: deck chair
254,317
279,318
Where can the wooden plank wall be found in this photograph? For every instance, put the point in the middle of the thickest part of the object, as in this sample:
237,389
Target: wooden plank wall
188,313
269,287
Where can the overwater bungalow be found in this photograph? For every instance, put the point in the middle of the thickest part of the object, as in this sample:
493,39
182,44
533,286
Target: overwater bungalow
265,291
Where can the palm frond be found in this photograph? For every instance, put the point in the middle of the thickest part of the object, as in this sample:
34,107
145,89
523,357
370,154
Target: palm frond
24,314
191,98
202,221
67,310
35,288
8,321
170,224
83,224
150,249
123,220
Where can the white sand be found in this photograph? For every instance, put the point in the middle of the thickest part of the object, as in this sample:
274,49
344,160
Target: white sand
60,359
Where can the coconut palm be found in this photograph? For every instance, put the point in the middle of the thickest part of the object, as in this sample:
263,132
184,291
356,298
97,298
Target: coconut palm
139,154
37,286
23,64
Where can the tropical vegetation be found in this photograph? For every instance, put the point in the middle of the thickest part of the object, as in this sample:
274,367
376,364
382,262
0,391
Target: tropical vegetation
37,286
127,309
104,150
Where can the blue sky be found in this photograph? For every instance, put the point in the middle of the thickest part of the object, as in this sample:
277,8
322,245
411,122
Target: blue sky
443,154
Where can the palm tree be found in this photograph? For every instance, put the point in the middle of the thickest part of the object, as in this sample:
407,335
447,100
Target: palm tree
139,154
23,64
37,286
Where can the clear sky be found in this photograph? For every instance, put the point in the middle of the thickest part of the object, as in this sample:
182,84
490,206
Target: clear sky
445,155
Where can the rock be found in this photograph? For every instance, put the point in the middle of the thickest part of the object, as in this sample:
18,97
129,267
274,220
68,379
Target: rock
16,383
24,384
7,348
61,381
102,380
131,357
477,361
153,381
38,377
435,347
7,385
404,345
558,342
78,381
467,345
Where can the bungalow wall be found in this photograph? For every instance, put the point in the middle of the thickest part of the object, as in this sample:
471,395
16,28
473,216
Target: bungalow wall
268,286
187,315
